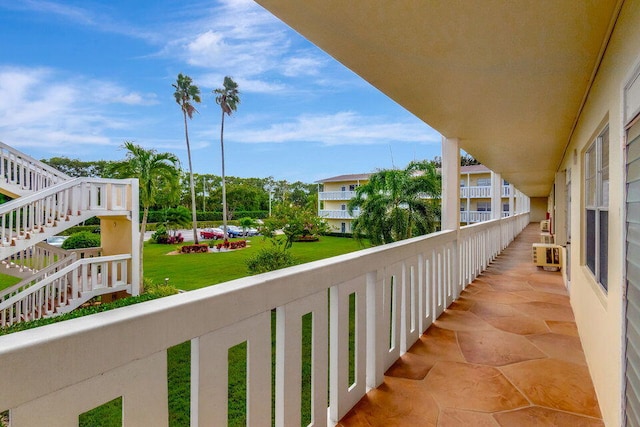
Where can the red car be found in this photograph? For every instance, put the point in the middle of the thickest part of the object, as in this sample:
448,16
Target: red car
212,233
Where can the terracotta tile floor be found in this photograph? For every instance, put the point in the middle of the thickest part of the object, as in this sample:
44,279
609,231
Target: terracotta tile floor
506,353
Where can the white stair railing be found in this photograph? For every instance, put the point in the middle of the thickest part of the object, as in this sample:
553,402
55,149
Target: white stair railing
24,174
67,288
33,218
35,278
32,260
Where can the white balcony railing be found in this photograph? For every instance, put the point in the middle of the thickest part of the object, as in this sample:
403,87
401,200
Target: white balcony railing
338,214
474,216
54,373
336,195
482,192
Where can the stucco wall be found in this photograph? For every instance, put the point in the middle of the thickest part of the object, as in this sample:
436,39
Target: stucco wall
599,313
538,209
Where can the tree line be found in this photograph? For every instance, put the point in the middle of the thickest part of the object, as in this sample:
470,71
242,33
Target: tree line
243,194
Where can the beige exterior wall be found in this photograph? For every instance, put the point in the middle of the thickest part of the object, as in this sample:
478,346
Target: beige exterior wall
538,209
599,314
116,238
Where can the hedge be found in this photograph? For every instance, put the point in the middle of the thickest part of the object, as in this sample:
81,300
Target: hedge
159,216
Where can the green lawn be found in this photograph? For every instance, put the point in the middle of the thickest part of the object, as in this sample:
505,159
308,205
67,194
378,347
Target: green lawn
6,281
194,271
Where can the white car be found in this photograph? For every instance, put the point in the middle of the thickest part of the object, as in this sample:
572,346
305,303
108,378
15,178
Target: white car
56,240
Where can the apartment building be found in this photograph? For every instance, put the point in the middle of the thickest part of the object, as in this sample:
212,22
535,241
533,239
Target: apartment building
476,197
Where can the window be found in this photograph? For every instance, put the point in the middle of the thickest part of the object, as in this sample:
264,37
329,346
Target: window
343,207
505,207
484,206
484,182
596,186
352,187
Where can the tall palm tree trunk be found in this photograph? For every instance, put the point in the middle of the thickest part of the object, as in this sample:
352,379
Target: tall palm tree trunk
143,230
191,185
224,189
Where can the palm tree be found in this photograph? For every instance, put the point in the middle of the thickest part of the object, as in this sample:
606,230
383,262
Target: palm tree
397,204
186,92
228,98
157,173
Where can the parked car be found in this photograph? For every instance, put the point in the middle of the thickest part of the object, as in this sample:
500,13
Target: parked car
251,232
234,231
56,240
212,233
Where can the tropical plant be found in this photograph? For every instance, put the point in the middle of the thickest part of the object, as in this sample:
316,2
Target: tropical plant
157,173
270,258
247,223
185,93
294,223
397,204
227,97
177,217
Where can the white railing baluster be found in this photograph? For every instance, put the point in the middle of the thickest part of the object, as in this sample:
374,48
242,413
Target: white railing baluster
209,372
289,362
342,395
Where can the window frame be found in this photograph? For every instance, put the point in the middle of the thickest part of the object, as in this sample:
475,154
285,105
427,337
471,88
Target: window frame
596,207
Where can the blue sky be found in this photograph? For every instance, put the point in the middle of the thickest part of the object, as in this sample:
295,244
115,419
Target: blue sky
78,78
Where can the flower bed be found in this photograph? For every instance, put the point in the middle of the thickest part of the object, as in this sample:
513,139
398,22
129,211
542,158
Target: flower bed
238,244
194,249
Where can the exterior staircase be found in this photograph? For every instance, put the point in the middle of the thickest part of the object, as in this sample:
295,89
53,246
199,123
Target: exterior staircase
47,202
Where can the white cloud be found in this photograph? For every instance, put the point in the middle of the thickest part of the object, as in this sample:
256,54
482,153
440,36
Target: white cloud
302,65
343,128
241,39
39,108
83,16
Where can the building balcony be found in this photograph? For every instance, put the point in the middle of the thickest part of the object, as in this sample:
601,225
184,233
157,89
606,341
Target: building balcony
336,195
60,371
477,216
506,353
338,214
482,192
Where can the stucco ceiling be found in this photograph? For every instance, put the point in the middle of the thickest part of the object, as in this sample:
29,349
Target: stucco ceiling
507,78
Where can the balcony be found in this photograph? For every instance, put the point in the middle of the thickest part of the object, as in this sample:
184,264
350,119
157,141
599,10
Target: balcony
482,192
338,214
59,371
506,353
336,195
471,217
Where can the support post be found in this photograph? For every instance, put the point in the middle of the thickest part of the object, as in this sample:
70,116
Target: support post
496,196
450,184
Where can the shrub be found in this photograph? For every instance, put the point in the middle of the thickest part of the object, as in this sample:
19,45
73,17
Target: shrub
161,235
269,259
78,228
158,289
83,239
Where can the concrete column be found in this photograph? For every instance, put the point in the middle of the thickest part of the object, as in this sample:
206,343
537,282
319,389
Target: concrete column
496,196
512,200
450,184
